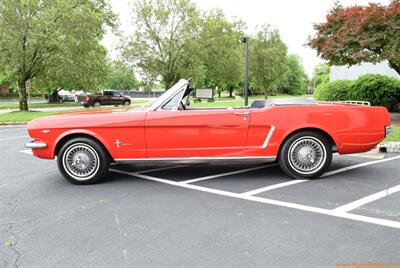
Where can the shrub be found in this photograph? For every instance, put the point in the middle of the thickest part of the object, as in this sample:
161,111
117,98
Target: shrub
334,91
379,90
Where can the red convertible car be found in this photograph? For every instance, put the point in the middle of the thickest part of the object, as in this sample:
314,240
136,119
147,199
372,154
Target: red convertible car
299,133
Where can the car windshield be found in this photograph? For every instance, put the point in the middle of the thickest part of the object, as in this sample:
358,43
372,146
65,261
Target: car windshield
181,84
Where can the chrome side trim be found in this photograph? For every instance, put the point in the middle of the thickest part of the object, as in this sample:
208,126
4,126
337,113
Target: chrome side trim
36,145
196,159
268,138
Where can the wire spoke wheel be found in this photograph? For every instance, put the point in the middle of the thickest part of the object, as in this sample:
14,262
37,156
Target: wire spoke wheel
81,161
307,155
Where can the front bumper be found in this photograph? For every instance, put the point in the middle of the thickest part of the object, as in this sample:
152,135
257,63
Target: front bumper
36,145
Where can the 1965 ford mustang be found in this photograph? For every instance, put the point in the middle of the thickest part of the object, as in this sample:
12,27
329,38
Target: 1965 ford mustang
301,134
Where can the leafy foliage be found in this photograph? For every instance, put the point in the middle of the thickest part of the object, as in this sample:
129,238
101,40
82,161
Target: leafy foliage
380,90
220,51
338,90
294,80
321,75
360,33
163,45
121,77
267,57
39,39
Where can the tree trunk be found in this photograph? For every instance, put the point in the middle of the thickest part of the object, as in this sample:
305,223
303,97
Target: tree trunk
54,97
23,97
230,92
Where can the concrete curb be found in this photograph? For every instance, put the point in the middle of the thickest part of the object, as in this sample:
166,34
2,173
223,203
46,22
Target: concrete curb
390,147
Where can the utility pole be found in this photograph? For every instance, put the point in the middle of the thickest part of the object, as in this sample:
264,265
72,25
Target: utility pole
245,40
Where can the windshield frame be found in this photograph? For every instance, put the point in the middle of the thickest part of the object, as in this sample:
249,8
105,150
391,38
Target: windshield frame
169,94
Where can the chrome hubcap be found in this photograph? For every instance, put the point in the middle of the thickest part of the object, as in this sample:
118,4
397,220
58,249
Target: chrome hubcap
307,155
81,161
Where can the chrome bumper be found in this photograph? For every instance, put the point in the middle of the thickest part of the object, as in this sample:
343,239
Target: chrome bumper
35,145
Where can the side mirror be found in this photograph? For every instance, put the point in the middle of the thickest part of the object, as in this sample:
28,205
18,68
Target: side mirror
187,103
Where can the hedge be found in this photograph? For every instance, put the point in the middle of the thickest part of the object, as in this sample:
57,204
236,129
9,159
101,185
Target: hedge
379,90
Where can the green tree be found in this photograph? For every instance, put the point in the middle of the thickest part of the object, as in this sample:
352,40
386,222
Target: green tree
121,77
321,75
221,52
355,34
267,57
163,45
294,81
37,36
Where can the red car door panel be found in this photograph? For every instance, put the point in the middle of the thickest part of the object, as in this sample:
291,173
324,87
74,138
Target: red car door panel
203,132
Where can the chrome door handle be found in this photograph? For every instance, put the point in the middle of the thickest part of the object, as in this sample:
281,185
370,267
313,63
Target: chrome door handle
242,113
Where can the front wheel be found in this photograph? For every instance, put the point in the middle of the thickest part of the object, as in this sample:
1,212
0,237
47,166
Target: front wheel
306,154
82,161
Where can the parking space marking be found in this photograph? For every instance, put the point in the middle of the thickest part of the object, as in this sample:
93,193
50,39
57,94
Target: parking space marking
272,187
14,138
228,173
346,215
27,151
368,199
158,169
340,170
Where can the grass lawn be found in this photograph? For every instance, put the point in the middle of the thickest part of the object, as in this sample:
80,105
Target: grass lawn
22,116
52,105
38,105
395,135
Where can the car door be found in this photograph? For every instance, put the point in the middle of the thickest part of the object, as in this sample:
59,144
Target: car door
107,98
117,98
196,133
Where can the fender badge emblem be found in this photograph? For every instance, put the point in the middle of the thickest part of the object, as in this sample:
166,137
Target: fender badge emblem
45,131
118,143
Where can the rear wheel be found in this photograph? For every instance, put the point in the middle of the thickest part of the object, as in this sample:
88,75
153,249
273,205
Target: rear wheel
127,103
97,104
306,154
82,161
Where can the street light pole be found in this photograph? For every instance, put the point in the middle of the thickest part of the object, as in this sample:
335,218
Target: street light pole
245,40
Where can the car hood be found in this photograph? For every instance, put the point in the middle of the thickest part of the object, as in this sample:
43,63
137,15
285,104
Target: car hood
88,119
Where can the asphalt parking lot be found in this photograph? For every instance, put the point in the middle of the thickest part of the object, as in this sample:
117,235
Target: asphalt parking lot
197,216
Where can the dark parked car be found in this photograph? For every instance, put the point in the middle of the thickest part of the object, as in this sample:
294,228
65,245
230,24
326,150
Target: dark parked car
107,97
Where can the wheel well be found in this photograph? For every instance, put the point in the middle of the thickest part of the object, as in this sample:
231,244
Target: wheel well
317,130
78,135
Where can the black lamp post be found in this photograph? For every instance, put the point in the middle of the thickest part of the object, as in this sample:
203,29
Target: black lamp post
245,40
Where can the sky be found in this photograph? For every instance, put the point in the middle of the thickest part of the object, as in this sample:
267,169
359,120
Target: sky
293,18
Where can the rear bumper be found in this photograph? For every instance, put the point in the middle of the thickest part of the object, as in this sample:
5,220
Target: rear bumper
36,145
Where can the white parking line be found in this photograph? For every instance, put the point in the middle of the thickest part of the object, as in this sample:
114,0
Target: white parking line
336,171
27,151
227,173
158,169
382,222
368,199
272,187
14,138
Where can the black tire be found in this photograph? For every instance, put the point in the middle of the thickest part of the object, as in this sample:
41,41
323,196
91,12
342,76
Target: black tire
127,103
96,104
306,155
83,151
86,106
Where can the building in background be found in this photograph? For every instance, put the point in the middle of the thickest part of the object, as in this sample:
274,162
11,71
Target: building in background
355,71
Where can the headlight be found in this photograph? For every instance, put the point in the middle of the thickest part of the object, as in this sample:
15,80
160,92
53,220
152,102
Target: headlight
388,130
